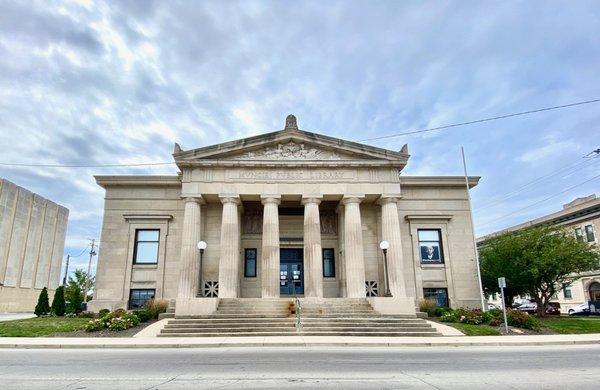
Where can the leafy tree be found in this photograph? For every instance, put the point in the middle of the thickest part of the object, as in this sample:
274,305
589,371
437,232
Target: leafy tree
58,303
43,305
76,285
536,261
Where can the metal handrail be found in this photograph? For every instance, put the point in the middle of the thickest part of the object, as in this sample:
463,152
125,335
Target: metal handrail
298,314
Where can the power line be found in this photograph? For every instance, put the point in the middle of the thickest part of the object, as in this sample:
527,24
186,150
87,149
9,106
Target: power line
82,252
501,198
481,120
540,201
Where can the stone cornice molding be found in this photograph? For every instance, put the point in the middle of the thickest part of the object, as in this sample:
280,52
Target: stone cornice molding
306,199
435,217
268,199
146,217
106,181
438,181
347,199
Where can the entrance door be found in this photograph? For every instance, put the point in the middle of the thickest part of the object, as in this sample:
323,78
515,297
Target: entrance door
291,275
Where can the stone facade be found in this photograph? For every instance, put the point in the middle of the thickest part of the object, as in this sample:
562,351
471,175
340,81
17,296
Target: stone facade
257,200
32,240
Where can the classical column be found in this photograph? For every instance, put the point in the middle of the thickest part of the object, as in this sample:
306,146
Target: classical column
353,246
189,259
229,260
313,254
270,247
390,232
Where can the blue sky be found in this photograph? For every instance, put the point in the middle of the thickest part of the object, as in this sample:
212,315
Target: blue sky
87,82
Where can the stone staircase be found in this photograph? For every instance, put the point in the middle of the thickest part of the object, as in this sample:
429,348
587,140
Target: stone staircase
276,317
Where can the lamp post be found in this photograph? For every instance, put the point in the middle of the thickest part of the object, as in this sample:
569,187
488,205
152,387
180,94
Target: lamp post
201,246
384,245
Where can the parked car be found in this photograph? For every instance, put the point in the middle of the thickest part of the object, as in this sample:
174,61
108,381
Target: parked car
519,302
579,310
492,306
530,307
553,309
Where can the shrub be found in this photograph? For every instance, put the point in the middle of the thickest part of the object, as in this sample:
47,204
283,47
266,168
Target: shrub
86,314
58,302
94,325
440,311
449,316
473,317
75,300
43,305
156,306
103,312
143,314
428,306
128,320
492,317
520,319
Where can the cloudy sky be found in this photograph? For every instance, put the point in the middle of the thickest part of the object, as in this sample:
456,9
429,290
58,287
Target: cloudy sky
87,82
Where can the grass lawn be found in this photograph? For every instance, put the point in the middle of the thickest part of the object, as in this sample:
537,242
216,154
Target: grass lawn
570,325
475,330
41,326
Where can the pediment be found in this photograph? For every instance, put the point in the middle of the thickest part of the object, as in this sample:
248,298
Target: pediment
290,145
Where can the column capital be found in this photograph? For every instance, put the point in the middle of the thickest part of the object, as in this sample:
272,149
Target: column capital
196,199
347,199
306,199
225,198
389,198
267,199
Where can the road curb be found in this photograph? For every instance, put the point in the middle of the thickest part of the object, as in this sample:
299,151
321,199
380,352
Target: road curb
138,343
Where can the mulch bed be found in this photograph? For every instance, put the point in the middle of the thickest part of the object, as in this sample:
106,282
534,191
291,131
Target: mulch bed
105,332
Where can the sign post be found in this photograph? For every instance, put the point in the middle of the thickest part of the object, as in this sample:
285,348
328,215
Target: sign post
502,285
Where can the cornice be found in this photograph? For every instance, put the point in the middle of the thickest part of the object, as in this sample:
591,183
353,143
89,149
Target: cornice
107,181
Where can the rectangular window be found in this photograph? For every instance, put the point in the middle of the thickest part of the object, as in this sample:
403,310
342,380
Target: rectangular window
579,234
589,233
430,245
137,297
567,293
438,295
146,246
328,263
250,263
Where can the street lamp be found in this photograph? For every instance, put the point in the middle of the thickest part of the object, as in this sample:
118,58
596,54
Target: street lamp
201,247
384,245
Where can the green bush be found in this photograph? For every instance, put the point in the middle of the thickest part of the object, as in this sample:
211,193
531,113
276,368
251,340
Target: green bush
103,312
86,314
75,300
520,319
156,306
440,311
94,325
132,317
58,302
143,314
128,320
492,317
43,305
473,317
450,316
428,306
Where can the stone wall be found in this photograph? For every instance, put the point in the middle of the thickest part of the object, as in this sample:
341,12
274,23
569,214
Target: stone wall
32,240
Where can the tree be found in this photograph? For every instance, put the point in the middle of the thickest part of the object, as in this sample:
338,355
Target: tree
76,285
75,298
58,303
43,305
536,261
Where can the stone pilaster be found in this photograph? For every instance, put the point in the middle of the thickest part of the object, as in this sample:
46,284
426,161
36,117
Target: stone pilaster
313,254
270,246
189,259
229,260
353,247
390,232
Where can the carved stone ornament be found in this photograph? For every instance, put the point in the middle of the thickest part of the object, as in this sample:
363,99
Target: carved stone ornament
289,151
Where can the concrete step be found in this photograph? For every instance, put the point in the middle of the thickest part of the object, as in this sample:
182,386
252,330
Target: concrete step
293,329
302,333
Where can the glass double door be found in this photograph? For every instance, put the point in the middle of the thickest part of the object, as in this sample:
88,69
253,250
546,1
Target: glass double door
291,272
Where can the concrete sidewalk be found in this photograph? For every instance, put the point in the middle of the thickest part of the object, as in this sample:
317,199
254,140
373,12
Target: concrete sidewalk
292,341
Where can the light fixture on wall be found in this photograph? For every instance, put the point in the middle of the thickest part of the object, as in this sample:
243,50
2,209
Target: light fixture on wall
384,245
201,247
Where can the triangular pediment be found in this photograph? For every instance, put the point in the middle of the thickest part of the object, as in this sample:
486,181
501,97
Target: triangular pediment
290,145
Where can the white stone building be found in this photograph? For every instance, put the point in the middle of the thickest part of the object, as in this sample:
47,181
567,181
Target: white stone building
32,241
284,204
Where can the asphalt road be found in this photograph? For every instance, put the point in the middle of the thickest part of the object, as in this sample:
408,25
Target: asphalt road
282,368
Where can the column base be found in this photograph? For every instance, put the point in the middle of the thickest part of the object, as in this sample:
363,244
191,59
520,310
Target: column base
393,305
195,306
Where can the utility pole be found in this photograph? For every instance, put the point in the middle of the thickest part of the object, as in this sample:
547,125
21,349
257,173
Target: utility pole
483,305
66,271
87,278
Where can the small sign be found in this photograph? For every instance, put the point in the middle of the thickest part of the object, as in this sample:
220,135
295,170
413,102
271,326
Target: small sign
502,282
